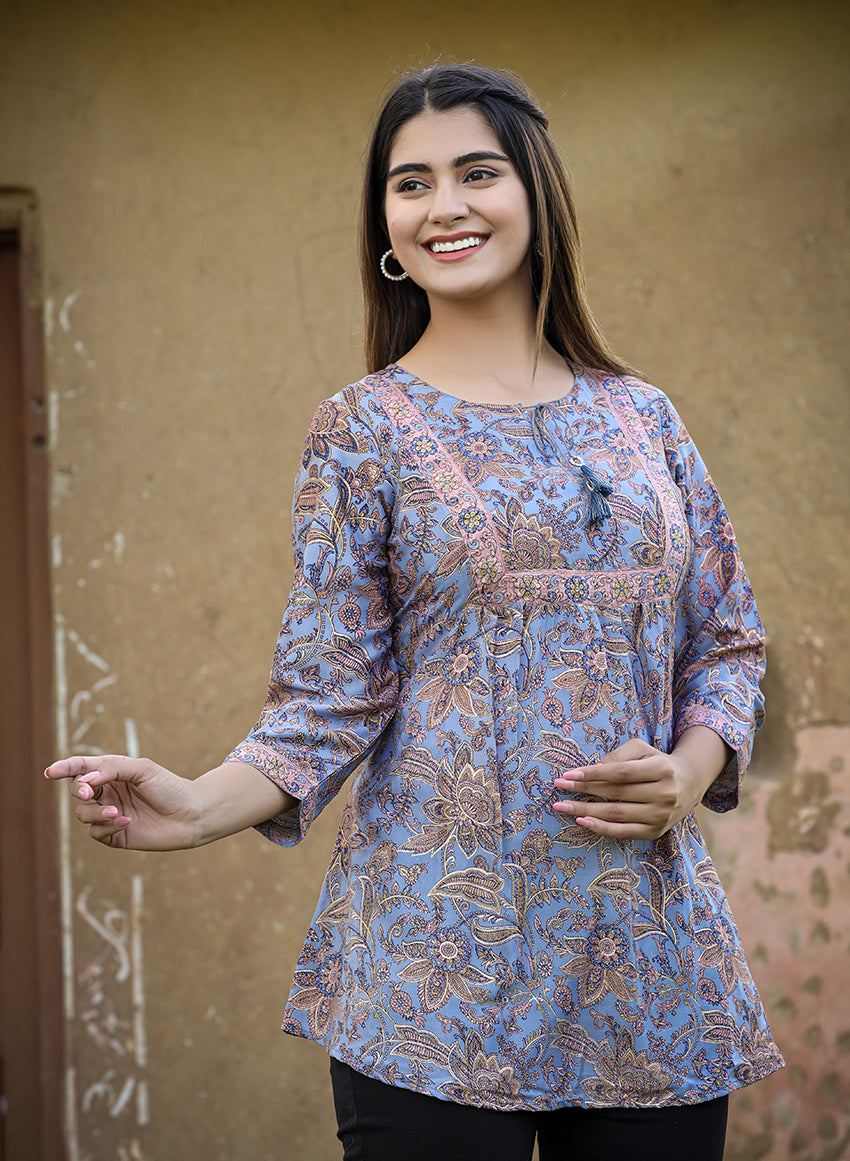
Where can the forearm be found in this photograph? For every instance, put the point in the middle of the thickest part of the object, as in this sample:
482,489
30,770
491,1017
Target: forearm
233,797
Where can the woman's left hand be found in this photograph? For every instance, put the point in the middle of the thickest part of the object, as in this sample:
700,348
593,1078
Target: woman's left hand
641,792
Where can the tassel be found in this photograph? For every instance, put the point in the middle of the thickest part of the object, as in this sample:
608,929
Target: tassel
599,490
597,487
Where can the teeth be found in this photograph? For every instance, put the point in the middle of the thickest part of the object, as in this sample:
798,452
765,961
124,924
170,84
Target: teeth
458,244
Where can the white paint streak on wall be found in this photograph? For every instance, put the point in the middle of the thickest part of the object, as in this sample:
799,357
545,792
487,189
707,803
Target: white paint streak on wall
134,1153
83,728
61,685
109,930
56,550
120,1090
138,980
84,698
52,418
84,651
100,1088
131,738
71,1137
104,1090
77,701
118,545
123,1097
143,1110
66,892
80,348
65,309
49,306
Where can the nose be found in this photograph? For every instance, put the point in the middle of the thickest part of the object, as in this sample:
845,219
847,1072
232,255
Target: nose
448,203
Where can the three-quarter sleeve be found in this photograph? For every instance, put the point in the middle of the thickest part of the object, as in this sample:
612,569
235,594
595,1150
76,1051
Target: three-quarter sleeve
719,639
333,685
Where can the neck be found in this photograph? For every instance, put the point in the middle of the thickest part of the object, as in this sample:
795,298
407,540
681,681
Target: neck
486,351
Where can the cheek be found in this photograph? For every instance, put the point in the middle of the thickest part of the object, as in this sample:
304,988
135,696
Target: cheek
523,215
398,227
512,214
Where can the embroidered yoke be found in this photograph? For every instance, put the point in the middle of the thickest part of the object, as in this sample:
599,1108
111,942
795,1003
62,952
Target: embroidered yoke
456,636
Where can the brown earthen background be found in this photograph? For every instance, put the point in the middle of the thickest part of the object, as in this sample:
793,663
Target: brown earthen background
196,166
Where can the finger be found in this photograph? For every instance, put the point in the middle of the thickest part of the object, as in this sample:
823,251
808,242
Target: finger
92,813
623,758
649,769
89,787
622,822
76,766
632,750
85,765
104,819
615,812
96,772
623,830
616,792
111,833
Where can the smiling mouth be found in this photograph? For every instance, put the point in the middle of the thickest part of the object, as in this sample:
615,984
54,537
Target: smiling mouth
467,243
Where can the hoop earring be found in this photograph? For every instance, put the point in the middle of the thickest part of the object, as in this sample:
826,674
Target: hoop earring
392,277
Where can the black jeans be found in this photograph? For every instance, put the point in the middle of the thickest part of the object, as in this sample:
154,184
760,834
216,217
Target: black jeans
378,1122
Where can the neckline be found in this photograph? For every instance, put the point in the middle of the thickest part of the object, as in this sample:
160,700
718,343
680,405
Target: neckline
526,407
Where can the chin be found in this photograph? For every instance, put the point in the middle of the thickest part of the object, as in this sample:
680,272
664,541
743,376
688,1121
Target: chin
459,288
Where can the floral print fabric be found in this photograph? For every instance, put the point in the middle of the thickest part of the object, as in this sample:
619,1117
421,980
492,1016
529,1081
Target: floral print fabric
455,637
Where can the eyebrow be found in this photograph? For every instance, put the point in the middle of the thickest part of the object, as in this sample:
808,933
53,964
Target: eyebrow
464,159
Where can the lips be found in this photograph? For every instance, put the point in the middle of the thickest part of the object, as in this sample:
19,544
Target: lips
456,246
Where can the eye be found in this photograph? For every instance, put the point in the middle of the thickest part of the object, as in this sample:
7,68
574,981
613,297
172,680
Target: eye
480,173
410,185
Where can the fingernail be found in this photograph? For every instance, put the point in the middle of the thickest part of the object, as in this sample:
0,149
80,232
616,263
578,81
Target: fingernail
588,822
564,784
110,812
577,773
46,771
124,820
565,807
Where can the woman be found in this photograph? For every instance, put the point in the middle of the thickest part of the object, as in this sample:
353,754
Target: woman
520,616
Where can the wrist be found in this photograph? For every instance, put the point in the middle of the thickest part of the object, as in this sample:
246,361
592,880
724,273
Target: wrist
208,806
197,813
234,796
702,755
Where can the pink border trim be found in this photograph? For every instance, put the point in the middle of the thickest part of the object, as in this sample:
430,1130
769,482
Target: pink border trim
443,472
631,424
497,584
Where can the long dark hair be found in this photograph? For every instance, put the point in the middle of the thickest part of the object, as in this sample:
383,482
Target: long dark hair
397,312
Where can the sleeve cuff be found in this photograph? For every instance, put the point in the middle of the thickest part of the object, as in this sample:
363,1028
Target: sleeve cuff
725,791
289,827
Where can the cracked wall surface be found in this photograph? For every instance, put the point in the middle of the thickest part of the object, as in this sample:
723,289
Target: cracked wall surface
196,167
785,861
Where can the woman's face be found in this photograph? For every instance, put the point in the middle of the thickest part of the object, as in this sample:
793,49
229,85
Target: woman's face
457,213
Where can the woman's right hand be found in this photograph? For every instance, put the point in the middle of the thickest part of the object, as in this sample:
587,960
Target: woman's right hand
131,802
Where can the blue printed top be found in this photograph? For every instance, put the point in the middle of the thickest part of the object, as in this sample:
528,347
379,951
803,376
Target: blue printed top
456,636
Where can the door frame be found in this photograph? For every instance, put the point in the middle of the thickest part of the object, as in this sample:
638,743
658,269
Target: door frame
30,909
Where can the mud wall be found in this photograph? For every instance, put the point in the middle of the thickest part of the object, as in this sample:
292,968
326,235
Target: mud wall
196,167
